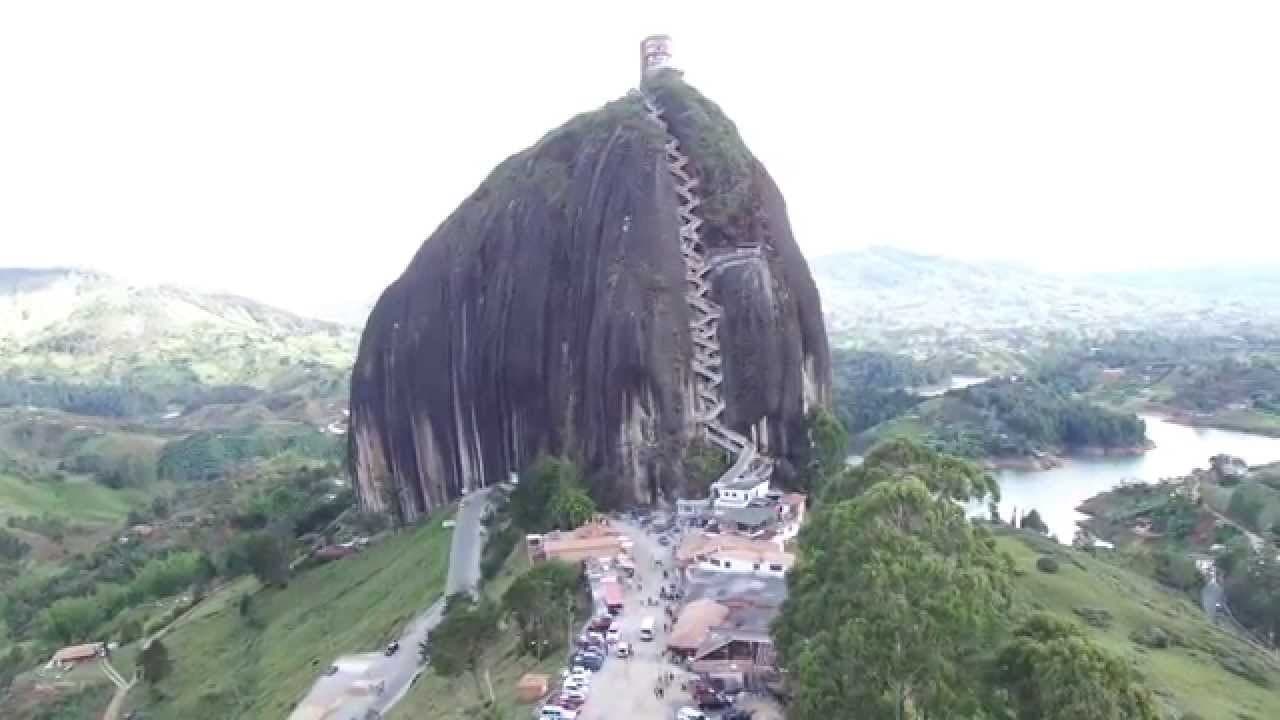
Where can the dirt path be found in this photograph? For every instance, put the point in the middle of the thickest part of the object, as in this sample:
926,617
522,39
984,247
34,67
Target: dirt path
117,701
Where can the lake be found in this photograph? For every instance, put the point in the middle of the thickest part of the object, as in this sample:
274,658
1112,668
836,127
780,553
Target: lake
1179,449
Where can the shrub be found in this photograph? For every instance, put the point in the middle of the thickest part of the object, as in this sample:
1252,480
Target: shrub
496,551
1094,617
1047,564
1245,669
129,631
1177,571
1150,636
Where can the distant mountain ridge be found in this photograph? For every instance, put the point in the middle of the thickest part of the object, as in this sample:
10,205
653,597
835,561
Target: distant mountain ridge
81,325
983,314
31,299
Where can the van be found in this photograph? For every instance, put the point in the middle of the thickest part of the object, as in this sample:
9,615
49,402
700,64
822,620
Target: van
646,629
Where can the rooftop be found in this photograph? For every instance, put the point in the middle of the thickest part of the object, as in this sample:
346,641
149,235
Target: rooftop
695,544
739,592
694,622
750,515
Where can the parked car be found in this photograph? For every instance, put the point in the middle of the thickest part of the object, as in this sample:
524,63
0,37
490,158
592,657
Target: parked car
614,635
393,647
567,700
575,697
577,682
331,670
588,661
688,713
624,650
664,540
601,623
738,715
713,701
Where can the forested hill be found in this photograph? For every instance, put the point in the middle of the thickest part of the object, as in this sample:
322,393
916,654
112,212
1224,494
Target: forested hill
1006,418
988,318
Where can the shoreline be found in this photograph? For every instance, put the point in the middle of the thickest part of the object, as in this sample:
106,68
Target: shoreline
1199,420
1049,461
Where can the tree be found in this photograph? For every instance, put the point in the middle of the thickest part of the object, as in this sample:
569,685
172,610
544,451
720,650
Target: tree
154,663
1033,521
458,643
264,554
894,597
541,602
12,548
129,631
72,619
1177,570
945,476
1254,594
533,500
828,448
160,507
571,506
1050,671
703,465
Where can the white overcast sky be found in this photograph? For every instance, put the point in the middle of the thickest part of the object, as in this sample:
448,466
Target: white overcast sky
299,152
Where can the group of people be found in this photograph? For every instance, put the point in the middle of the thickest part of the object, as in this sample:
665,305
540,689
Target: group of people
664,681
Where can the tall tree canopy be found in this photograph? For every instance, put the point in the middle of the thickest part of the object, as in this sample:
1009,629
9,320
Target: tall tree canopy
541,602
1050,671
944,476
154,662
458,643
895,595
552,495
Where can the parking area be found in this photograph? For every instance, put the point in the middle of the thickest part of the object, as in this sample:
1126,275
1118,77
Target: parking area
646,685
629,687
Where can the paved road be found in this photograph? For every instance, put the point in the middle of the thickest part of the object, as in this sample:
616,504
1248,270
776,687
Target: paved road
398,671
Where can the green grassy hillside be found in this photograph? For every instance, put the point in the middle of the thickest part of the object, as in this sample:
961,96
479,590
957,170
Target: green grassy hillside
225,667
1204,670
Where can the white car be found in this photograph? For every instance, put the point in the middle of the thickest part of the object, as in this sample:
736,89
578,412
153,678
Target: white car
614,635
579,695
553,712
624,650
688,713
577,682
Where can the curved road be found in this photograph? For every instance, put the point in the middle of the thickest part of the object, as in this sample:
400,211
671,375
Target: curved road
398,671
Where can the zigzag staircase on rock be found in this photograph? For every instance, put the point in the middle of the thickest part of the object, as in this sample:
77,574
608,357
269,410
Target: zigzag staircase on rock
704,324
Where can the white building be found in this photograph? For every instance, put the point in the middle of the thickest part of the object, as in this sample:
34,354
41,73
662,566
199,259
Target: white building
739,493
746,562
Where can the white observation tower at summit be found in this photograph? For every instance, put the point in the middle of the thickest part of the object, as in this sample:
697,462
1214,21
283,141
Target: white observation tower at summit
655,54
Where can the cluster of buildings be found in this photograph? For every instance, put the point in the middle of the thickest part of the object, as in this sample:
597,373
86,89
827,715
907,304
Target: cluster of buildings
732,552
734,558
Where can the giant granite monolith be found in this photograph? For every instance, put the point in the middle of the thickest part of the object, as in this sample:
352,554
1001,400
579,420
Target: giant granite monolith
551,313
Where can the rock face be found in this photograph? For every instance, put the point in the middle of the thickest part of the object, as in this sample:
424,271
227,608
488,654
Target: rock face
547,315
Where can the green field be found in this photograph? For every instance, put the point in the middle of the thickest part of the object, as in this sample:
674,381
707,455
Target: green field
77,499
1189,675
226,668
